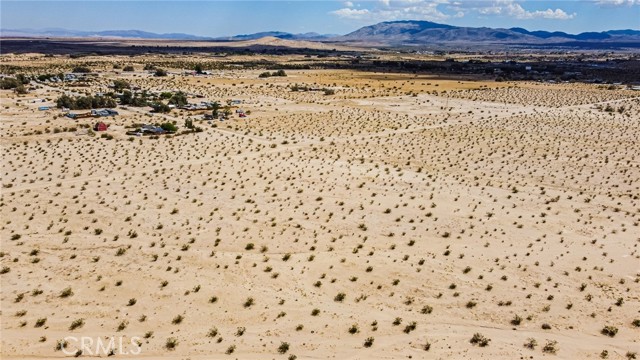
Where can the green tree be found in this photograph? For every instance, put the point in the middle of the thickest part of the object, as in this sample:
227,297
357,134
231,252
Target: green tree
178,99
9,83
22,78
160,107
81,69
65,101
169,127
215,107
126,98
84,102
120,85
20,89
226,111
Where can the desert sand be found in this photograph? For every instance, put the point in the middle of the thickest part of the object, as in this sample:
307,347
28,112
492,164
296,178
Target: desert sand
394,219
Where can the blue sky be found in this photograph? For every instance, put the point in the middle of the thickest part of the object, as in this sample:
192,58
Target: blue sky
221,18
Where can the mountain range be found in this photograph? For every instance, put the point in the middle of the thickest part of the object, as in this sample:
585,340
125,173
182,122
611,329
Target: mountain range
407,32
413,32
280,35
130,34
139,34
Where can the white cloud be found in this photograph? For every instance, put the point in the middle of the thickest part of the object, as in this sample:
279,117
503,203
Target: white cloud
513,9
517,11
353,14
442,10
617,2
348,4
396,10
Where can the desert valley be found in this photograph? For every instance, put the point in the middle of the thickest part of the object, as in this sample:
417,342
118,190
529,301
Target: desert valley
293,211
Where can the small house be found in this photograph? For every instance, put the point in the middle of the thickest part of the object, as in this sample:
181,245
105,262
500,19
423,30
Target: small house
153,130
100,126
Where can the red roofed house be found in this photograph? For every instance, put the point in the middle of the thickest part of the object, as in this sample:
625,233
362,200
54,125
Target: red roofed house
100,126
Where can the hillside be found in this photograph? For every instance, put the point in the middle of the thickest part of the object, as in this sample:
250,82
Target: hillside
426,32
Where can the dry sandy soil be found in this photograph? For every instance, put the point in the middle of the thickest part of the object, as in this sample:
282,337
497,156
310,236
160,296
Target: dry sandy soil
394,219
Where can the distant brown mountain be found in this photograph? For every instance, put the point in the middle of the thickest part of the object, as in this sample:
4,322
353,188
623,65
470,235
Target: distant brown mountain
411,32
139,34
126,34
391,33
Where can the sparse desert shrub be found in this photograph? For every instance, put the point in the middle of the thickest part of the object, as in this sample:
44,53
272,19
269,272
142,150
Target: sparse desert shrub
122,325
409,328
249,302
471,304
40,322
171,343
551,347
76,324
517,320
531,343
368,342
66,292
479,339
213,332
283,348
61,345
610,331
